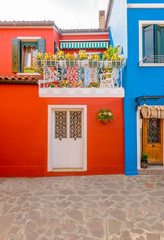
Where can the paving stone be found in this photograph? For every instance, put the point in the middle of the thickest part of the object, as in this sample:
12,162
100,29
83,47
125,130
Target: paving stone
30,227
114,226
32,236
68,226
75,214
148,185
95,227
125,235
158,227
153,236
140,238
119,214
5,224
137,230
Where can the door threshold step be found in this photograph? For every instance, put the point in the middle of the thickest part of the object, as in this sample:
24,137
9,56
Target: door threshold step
152,170
68,170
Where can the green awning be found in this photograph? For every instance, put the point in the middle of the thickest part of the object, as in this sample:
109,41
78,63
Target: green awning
30,44
84,45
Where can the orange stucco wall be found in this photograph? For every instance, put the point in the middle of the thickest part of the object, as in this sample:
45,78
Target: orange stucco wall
6,35
23,133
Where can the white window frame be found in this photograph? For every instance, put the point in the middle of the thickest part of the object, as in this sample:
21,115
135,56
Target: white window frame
141,25
26,39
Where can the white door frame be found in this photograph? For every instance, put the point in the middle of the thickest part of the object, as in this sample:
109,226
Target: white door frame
138,139
51,108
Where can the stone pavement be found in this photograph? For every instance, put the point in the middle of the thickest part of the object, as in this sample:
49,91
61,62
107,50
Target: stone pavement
109,207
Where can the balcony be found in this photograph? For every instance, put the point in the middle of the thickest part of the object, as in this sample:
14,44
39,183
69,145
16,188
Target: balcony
81,78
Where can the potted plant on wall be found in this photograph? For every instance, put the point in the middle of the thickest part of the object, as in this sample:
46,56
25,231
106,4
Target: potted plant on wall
144,162
105,115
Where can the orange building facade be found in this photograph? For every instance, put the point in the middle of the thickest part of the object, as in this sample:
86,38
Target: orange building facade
28,144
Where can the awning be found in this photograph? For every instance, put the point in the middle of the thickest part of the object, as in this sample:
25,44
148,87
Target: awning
30,44
152,111
84,45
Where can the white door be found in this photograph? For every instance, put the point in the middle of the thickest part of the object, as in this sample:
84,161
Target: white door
67,139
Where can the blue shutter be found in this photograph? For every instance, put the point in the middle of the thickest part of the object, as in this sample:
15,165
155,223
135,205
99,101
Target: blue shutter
15,55
149,42
42,45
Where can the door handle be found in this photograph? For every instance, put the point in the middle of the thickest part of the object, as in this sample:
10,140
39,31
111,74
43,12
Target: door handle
75,139
153,145
60,139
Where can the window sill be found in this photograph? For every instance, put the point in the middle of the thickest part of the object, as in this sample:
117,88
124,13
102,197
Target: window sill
151,65
35,74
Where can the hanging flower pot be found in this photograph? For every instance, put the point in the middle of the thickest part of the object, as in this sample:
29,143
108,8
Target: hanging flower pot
105,115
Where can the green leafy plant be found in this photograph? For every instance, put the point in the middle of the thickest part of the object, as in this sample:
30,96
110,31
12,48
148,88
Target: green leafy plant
144,157
105,115
65,83
52,85
93,84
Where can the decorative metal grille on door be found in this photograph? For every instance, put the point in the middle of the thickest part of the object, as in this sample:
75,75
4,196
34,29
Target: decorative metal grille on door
153,130
75,124
60,124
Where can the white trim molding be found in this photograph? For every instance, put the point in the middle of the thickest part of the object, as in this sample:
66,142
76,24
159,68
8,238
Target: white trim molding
141,25
81,92
51,108
146,5
28,38
86,33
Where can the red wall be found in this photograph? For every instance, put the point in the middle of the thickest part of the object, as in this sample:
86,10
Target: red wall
85,37
6,35
23,133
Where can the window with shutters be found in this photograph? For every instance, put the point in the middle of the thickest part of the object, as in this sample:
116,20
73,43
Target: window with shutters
23,53
151,44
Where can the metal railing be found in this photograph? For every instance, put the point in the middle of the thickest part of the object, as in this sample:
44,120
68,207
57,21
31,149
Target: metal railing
153,59
103,74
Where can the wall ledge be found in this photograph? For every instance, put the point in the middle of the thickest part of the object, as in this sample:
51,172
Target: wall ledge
81,92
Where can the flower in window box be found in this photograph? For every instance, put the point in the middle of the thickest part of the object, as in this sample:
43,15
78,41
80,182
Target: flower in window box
71,59
82,55
60,55
39,59
93,60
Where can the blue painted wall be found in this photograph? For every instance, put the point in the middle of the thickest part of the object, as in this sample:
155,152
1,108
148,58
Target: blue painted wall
145,1
137,81
118,25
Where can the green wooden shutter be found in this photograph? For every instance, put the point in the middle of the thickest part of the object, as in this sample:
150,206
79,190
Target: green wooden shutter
56,49
42,45
15,55
149,42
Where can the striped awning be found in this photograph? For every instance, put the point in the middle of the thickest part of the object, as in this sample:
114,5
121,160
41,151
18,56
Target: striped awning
152,111
83,45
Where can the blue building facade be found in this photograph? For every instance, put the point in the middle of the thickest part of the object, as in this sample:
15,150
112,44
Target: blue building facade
138,26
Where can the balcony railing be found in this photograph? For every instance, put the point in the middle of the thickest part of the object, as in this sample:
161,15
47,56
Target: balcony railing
85,74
